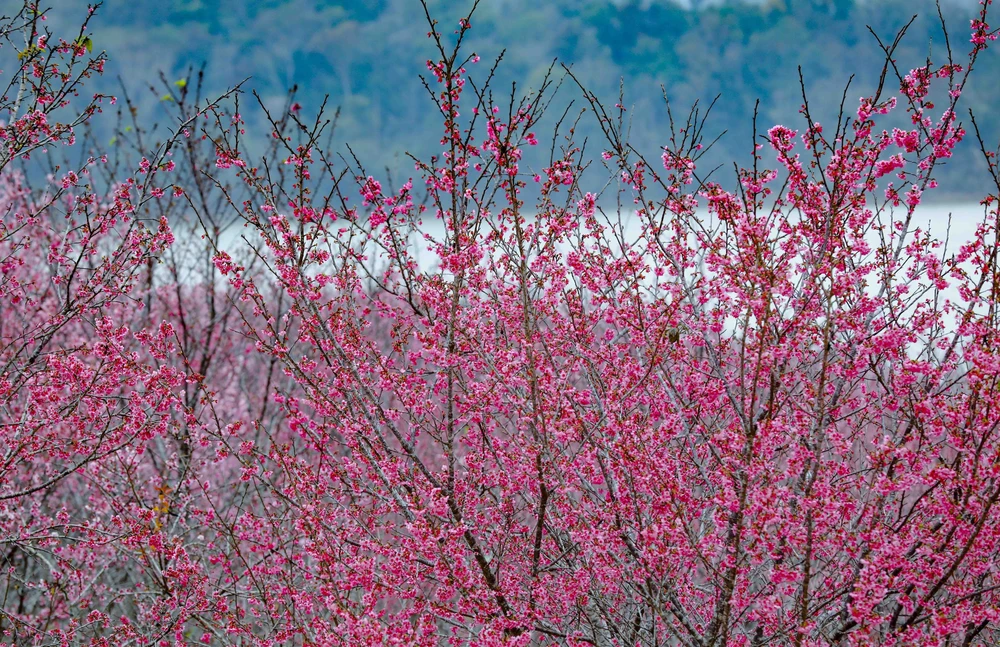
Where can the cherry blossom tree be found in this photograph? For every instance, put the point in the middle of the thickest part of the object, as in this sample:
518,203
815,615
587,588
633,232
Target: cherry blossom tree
240,406
98,399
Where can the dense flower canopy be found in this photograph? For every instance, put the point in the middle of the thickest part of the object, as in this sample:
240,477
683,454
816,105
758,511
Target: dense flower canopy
238,408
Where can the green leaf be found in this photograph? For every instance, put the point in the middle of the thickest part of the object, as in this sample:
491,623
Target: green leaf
166,97
113,140
86,42
28,52
180,83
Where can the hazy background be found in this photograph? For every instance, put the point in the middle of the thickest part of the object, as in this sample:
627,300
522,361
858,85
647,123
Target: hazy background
367,55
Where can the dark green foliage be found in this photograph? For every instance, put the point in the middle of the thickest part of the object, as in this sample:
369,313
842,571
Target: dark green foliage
366,54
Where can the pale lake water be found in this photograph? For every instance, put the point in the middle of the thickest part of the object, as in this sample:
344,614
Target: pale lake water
957,222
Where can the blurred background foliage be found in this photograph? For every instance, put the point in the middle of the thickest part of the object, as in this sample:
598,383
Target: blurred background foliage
367,55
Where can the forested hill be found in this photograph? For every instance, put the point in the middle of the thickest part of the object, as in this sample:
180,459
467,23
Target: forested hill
367,55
